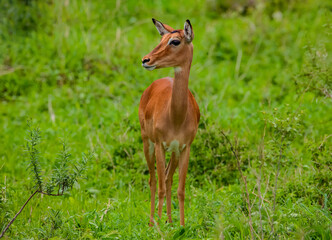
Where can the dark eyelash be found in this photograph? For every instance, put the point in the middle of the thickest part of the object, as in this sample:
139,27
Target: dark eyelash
175,42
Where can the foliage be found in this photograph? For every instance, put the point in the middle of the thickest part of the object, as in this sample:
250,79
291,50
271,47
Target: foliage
261,74
34,166
316,73
212,160
63,177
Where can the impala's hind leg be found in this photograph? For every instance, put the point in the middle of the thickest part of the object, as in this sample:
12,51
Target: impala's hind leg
150,159
183,167
171,167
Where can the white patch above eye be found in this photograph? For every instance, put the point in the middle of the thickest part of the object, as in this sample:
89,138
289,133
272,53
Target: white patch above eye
170,40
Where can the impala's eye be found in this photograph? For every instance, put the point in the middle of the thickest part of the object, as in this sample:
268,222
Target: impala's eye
174,42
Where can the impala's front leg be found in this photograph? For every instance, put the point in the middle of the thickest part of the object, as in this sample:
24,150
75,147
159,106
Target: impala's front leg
183,167
160,159
150,159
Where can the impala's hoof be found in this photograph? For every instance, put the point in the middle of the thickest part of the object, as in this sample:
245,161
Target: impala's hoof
169,223
151,222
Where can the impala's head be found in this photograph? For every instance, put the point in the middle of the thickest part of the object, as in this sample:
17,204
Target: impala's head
174,50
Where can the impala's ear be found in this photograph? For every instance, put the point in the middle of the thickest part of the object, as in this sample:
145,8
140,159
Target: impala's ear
162,28
188,31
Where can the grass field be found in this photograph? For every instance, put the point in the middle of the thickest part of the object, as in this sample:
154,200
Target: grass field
261,75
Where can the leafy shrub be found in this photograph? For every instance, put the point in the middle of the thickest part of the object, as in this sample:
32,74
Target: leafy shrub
210,157
316,72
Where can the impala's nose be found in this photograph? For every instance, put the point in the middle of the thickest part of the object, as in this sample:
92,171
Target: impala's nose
145,60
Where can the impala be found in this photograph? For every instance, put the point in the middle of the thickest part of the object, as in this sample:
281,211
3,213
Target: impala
169,115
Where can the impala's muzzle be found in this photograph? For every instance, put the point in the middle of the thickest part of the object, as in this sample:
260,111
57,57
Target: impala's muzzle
145,61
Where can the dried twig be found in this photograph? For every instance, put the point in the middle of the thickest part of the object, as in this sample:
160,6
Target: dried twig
261,157
276,185
14,218
8,70
51,194
244,179
50,109
10,223
253,193
106,210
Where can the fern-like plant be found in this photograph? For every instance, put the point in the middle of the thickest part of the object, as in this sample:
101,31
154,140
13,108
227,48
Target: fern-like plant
63,177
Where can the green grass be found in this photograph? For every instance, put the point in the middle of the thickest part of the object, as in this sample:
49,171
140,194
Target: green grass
74,68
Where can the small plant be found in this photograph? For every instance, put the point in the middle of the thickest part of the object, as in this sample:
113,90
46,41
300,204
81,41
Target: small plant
215,161
284,126
64,175
235,151
321,155
315,76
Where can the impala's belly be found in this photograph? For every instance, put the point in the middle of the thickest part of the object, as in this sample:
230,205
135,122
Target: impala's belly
172,147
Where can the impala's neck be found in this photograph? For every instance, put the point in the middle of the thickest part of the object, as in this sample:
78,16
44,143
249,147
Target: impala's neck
179,101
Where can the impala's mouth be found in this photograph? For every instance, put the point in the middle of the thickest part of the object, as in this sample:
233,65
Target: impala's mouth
147,67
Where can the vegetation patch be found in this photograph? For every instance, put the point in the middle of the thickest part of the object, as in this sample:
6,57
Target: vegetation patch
260,166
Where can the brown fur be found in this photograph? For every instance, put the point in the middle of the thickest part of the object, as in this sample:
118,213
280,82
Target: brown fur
168,112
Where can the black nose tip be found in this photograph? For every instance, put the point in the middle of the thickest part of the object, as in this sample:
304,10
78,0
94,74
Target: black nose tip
146,60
